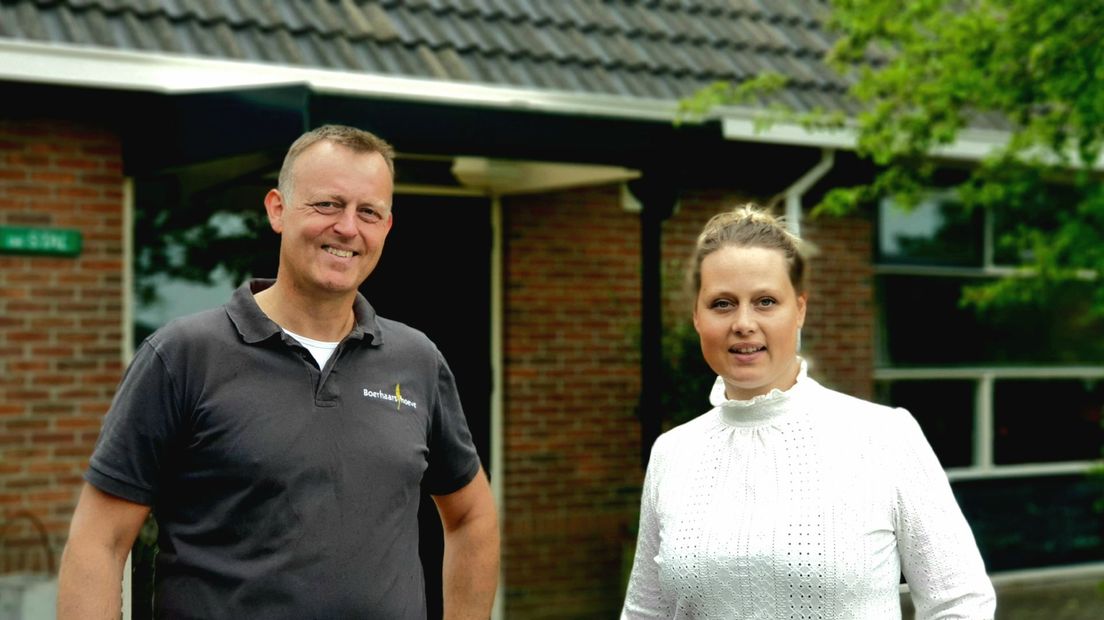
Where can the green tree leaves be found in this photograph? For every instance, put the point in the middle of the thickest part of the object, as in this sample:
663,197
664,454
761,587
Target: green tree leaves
926,72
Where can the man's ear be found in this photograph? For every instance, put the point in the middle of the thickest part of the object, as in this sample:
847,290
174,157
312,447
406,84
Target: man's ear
274,206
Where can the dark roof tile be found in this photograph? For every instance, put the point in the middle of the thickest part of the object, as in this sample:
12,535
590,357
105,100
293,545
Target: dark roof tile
455,66
629,20
372,20
434,66
552,43
586,15
389,59
470,38
306,15
631,48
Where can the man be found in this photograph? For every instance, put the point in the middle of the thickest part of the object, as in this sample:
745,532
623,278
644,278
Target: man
282,440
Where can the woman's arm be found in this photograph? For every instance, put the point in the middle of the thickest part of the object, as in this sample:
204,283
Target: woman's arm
939,556
644,597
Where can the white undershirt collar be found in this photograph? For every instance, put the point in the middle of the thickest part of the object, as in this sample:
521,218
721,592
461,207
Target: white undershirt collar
320,349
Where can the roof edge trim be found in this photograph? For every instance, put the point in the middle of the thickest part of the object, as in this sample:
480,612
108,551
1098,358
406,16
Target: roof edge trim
971,145
93,67
171,74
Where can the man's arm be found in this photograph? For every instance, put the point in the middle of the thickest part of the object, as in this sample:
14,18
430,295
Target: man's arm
470,525
101,535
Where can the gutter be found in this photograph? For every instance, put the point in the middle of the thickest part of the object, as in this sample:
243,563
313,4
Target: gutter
971,144
796,191
98,67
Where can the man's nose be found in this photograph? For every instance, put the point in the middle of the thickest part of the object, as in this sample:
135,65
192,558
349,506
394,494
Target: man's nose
346,224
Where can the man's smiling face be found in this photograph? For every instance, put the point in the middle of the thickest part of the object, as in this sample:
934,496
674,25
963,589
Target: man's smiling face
333,224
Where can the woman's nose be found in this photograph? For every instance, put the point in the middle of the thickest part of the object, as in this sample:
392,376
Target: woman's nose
743,321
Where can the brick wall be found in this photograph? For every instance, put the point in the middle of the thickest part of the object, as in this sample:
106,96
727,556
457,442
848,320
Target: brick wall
839,324
572,377
60,326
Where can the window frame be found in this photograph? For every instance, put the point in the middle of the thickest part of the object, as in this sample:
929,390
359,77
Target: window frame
983,376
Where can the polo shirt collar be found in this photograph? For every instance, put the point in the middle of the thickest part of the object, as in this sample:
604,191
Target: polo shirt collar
255,326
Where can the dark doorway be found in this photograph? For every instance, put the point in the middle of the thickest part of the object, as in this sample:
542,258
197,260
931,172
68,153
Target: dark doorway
435,275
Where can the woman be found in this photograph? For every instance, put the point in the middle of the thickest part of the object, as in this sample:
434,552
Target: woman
787,499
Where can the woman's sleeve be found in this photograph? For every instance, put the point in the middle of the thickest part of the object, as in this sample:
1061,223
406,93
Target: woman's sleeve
939,556
644,597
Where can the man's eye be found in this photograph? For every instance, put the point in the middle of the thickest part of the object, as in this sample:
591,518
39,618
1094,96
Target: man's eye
767,301
370,215
324,206
721,304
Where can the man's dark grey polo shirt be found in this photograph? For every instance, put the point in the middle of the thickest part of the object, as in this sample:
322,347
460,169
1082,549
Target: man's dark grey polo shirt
283,490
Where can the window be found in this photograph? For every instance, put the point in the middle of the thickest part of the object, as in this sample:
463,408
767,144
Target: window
1010,400
923,324
944,410
935,232
1047,421
187,264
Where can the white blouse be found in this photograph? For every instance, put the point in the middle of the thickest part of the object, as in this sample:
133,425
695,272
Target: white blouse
806,503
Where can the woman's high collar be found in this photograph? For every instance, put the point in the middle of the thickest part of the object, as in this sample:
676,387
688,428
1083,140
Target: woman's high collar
763,408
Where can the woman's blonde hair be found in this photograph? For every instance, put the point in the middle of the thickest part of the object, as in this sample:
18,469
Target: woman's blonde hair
750,226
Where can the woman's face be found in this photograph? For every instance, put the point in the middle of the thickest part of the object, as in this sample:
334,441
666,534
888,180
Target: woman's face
748,315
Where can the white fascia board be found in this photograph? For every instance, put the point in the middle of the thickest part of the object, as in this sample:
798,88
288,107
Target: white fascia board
972,145
93,67
744,126
171,74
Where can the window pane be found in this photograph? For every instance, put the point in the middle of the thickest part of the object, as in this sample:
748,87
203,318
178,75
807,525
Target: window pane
935,232
1047,420
1011,222
1034,522
922,324
191,259
176,297
945,411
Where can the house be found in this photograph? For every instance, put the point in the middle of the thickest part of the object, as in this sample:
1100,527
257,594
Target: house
545,202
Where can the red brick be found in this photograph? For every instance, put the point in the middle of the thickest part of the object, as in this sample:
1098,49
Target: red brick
553,388
61,173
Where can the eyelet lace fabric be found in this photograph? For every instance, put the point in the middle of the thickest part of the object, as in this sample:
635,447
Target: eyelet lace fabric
803,503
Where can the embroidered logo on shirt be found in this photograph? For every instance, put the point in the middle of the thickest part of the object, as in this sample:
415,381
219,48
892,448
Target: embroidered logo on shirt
396,398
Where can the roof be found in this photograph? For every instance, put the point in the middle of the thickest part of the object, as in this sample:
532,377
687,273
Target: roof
629,49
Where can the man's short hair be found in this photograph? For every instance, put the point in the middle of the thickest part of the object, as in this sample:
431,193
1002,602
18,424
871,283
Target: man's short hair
358,140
